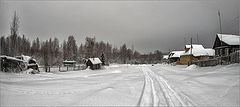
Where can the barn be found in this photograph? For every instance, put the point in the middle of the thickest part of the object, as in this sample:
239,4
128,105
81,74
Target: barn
94,63
195,52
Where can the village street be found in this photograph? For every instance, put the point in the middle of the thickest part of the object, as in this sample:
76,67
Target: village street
131,85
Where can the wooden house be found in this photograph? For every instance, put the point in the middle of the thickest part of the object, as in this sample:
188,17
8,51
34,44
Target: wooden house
94,63
195,52
225,44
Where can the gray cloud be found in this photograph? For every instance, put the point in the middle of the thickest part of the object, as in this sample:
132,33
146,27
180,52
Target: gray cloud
148,25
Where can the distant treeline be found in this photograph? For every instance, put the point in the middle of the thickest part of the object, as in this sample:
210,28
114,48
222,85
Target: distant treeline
51,52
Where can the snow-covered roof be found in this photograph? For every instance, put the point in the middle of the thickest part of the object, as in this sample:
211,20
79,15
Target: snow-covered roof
196,46
11,58
210,52
176,54
229,39
165,56
66,61
95,60
25,58
199,50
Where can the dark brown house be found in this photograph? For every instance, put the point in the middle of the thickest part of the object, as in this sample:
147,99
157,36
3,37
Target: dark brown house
94,63
225,44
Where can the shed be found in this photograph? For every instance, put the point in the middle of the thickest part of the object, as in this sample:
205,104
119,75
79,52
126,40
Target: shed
165,58
225,44
174,56
69,63
94,63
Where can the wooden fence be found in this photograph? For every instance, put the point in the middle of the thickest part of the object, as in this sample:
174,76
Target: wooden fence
61,68
224,60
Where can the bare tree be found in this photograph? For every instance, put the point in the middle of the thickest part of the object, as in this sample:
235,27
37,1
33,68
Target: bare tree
13,36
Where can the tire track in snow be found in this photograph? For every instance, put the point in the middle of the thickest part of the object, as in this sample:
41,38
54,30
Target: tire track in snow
147,94
157,92
143,89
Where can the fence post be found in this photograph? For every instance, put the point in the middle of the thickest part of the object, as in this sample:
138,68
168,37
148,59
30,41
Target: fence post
219,61
238,57
45,67
59,68
49,68
67,68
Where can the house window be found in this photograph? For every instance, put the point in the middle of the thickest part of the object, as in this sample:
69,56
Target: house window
230,50
217,52
226,51
234,49
221,52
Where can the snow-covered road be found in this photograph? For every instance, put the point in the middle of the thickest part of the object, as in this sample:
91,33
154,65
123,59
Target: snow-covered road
157,92
125,85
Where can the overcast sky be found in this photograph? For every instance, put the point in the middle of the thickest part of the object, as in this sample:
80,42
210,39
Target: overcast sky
147,25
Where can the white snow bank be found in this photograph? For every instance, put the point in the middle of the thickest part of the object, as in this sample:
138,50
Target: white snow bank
193,66
117,71
114,65
28,71
208,86
123,85
107,87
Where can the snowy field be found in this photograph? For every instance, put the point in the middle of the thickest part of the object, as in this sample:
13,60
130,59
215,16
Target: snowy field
125,85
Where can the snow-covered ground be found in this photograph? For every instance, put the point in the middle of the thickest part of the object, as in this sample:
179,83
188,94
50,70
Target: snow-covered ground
125,85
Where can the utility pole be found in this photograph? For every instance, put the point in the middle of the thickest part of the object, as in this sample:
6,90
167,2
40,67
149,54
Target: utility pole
191,46
191,55
220,24
239,49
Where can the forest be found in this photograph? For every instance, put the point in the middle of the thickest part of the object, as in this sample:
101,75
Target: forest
52,52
